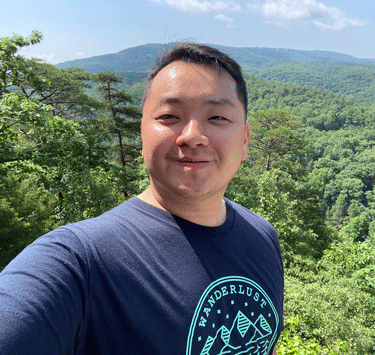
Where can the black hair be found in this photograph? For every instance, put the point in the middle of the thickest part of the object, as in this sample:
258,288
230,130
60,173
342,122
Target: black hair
204,55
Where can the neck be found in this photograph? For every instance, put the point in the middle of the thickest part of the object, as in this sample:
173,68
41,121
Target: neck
204,211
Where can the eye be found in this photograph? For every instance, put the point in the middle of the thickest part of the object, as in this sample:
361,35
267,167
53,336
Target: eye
167,119
218,119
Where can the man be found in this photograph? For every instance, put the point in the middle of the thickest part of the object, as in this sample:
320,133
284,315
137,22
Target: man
178,269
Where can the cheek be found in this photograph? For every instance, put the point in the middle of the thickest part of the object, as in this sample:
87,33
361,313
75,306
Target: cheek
232,149
156,143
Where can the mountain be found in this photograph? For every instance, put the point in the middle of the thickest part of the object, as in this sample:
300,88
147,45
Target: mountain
339,73
135,59
241,338
143,58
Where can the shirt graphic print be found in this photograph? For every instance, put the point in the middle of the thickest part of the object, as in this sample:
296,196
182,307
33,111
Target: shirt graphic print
234,316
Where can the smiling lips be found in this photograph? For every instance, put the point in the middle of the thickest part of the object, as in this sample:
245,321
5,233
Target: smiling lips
193,163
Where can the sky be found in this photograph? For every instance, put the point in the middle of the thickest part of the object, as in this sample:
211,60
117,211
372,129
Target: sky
74,29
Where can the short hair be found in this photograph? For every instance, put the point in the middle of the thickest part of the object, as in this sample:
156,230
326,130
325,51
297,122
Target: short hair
204,55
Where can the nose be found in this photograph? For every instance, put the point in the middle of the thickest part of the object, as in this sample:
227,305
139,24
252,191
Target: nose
192,135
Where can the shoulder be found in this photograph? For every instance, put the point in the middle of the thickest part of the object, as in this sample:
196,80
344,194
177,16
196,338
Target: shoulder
128,231
79,240
248,219
251,217
120,220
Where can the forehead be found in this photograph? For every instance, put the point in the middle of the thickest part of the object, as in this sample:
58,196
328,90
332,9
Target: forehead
184,80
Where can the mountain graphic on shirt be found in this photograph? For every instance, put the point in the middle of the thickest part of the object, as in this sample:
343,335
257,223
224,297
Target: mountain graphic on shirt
244,337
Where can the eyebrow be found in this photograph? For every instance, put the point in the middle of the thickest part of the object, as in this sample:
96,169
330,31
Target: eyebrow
214,102
219,102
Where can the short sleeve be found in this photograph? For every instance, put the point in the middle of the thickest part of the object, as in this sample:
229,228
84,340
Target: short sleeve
43,297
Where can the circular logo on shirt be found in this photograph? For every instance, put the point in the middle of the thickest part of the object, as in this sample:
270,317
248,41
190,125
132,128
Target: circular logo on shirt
234,316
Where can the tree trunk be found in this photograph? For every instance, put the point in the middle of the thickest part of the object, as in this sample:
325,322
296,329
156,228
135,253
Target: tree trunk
121,148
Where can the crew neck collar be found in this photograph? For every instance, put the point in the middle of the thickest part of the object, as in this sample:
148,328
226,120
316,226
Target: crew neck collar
187,226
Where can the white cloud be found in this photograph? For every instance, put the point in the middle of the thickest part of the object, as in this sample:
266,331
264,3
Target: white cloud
339,24
197,6
206,6
45,57
281,12
226,19
80,54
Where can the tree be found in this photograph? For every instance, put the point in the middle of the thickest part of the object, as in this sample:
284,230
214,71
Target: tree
50,172
357,228
64,90
275,143
14,68
121,119
26,211
291,342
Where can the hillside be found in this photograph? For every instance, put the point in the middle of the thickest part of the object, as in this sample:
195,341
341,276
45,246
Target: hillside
142,58
354,81
134,59
340,73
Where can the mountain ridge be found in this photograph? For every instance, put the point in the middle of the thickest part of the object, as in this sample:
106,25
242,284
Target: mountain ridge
143,57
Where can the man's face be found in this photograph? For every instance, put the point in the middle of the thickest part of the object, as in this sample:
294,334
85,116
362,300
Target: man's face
193,131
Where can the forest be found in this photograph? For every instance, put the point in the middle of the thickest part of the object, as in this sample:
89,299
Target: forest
70,149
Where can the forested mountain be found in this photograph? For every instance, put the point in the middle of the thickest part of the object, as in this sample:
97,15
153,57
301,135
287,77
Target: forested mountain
135,59
337,72
143,57
70,146
354,81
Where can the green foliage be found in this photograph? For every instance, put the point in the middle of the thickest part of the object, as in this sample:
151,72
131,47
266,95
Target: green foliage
354,81
14,68
85,194
294,211
18,118
332,311
131,78
353,260
338,304
60,167
347,160
70,149
357,228
120,118
273,184
26,209
275,142
64,90
337,72
320,109
290,206
291,343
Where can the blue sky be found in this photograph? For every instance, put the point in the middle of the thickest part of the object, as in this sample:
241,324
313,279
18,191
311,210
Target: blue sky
83,28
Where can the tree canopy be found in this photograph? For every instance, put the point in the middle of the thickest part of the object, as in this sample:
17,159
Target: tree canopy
70,150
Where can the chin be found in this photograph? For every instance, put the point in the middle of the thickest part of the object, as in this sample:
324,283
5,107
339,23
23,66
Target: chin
194,193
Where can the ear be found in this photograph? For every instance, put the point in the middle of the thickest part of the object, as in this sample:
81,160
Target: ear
246,140
141,131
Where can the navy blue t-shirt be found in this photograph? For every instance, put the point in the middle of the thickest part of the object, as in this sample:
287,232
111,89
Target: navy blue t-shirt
139,280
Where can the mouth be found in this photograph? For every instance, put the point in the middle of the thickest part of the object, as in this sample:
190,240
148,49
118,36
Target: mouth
192,160
183,161
193,163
